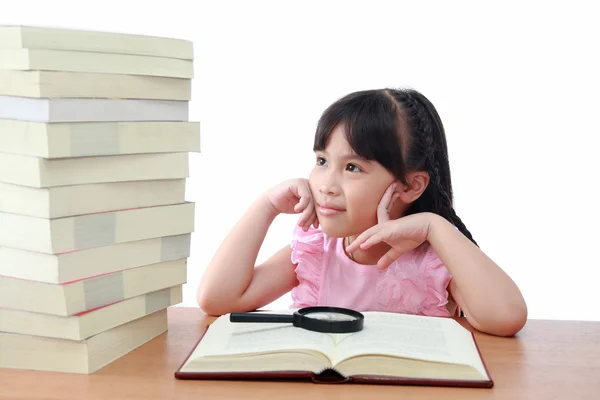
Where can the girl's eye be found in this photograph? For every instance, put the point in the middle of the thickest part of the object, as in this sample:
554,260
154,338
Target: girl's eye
354,168
321,161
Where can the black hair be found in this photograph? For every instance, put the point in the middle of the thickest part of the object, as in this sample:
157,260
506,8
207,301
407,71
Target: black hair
401,130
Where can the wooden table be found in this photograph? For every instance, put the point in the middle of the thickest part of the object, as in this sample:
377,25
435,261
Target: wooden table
546,360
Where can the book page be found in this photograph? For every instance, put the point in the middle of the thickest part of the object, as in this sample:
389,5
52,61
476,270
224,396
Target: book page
228,338
418,337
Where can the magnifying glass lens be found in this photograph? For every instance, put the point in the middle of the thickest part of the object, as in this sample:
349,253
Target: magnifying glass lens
330,316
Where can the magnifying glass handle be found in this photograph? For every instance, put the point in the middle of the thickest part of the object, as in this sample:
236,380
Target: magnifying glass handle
260,317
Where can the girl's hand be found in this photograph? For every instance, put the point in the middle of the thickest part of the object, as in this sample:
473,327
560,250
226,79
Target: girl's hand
292,197
402,235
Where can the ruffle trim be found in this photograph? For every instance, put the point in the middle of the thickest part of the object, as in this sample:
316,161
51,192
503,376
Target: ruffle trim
416,286
307,254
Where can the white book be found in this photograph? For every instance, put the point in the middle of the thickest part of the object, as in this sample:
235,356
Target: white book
52,84
41,173
91,110
60,235
40,37
85,356
75,265
68,201
80,139
75,297
104,63
88,323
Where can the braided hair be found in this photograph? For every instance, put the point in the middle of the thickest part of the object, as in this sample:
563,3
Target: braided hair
400,129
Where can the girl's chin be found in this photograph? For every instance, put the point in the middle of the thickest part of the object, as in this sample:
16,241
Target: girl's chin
334,231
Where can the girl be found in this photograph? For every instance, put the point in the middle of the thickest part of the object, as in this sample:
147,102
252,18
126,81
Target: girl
377,229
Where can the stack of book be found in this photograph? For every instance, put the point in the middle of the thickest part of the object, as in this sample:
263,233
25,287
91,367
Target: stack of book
94,226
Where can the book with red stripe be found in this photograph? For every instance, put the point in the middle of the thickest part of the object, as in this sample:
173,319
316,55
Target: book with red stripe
71,298
79,356
89,323
75,265
60,235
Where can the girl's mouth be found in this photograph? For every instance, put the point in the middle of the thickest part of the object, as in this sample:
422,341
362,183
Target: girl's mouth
329,210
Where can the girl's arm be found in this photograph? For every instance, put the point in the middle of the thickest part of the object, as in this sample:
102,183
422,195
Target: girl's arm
490,299
231,282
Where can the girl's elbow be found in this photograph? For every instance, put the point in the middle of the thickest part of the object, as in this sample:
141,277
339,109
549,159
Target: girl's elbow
515,320
507,323
216,303
515,316
510,317
209,305
506,320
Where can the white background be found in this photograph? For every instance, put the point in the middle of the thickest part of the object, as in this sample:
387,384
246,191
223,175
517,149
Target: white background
516,85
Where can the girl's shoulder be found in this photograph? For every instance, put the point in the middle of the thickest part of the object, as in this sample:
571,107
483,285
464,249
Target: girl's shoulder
311,240
422,263
417,283
308,248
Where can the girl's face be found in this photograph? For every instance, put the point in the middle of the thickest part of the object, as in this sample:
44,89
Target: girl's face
346,188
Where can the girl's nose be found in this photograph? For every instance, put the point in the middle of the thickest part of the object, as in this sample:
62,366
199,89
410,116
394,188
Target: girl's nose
327,191
329,188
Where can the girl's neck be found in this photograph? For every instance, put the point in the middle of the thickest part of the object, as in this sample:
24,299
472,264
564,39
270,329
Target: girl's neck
366,257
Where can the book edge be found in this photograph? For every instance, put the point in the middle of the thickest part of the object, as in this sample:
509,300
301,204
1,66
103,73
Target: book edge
485,367
25,32
178,372
384,380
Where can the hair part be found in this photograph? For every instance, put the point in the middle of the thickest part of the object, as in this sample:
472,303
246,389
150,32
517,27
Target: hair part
401,130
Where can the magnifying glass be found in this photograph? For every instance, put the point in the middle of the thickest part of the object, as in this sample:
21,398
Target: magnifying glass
318,319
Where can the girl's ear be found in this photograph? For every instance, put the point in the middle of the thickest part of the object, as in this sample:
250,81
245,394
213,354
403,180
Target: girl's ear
417,183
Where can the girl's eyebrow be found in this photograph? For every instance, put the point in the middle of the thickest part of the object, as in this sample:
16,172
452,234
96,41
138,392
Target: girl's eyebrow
348,156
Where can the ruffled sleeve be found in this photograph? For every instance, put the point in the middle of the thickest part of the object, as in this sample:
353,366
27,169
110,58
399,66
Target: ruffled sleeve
307,255
416,283
437,278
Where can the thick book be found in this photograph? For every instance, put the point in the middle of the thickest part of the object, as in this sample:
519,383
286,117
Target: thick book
40,172
60,235
93,85
91,62
72,200
75,265
86,324
393,349
48,37
79,356
91,110
87,294
84,139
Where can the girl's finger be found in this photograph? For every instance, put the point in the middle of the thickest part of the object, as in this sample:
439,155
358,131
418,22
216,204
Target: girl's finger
305,196
395,197
301,205
307,216
388,258
387,196
311,220
306,221
384,204
399,248
372,240
304,216
316,222
363,237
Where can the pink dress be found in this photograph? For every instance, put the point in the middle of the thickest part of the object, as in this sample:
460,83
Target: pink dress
416,283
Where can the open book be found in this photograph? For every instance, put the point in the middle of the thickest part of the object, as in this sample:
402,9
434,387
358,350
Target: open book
391,349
